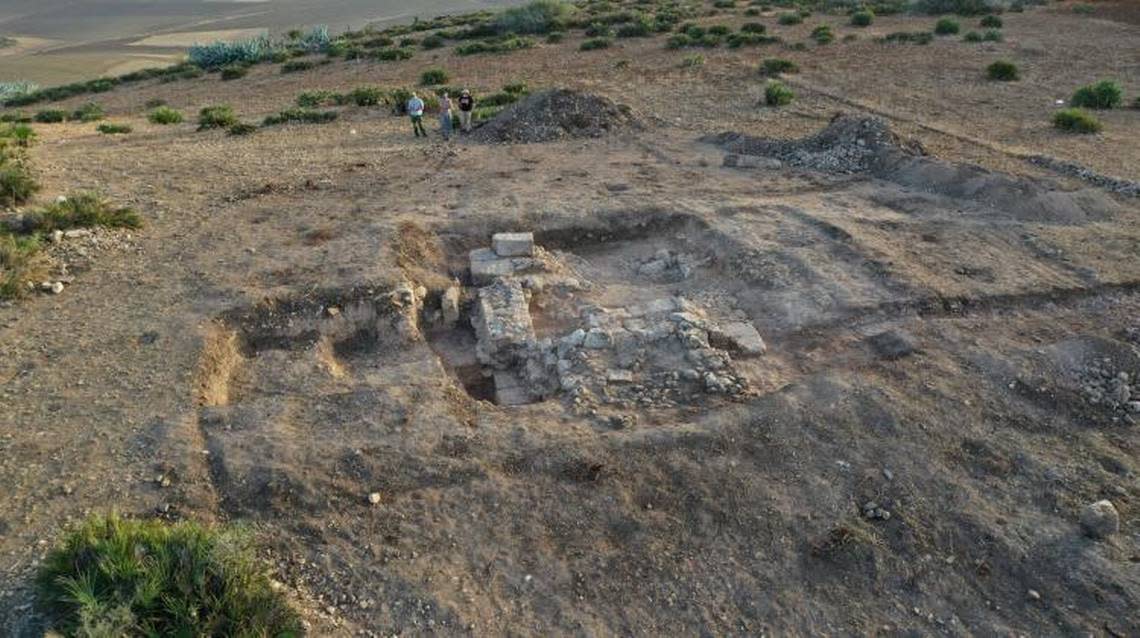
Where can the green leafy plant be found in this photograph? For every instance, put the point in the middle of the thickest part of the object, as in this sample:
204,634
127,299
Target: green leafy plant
1076,121
862,18
89,112
114,129
776,66
300,116
946,26
433,77
991,22
365,96
164,115
220,116
1105,94
50,116
118,577
777,93
1002,71
593,44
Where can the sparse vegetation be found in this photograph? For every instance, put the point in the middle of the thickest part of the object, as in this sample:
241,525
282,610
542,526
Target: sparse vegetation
50,116
20,261
913,37
365,96
538,17
164,115
15,90
79,210
221,116
89,112
433,77
296,66
993,35
694,60
1076,121
17,184
241,128
1002,71
300,116
1105,94
234,72
17,134
495,45
592,44
822,34
862,18
776,66
117,577
991,22
777,93
788,19
947,26
972,36
114,129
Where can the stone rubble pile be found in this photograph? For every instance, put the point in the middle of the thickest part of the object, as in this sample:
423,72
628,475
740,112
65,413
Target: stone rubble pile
1110,388
671,265
661,353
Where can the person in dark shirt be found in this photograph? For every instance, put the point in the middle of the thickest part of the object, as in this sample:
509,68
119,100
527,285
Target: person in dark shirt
466,107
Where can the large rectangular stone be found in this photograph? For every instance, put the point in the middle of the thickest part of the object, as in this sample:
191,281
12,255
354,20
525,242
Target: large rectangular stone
513,244
502,323
740,336
487,266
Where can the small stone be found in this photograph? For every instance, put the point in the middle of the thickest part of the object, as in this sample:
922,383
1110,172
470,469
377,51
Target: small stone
76,233
55,287
449,305
374,498
617,375
333,311
56,236
1033,594
1100,520
741,337
513,244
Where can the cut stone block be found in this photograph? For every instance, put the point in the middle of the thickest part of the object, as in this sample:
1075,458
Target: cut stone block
510,390
741,337
449,305
617,375
513,244
487,266
502,323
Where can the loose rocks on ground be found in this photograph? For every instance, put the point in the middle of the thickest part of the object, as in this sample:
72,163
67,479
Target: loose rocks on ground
554,115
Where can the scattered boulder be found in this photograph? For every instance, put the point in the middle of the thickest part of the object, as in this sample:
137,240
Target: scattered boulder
502,322
513,244
1100,520
740,337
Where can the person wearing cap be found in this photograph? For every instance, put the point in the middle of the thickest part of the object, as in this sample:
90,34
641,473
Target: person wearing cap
466,107
415,108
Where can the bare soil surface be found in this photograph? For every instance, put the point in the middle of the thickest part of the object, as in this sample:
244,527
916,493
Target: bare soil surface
952,332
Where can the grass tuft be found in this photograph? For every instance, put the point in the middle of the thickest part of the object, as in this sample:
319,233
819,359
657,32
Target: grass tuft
114,129
947,26
1076,121
117,577
1003,71
164,115
776,66
777,93
433,77
862,18
1106,94
220,116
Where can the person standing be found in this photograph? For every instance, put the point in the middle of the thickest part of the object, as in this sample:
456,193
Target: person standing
466,107
445,115
415,108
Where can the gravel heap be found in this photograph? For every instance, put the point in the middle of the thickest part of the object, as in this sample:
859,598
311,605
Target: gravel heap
554,115
849,144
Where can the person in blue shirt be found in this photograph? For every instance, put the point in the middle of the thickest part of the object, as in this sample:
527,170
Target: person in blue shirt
416,112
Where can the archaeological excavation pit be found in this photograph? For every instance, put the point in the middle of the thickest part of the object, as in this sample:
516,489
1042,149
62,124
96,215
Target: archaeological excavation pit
631,314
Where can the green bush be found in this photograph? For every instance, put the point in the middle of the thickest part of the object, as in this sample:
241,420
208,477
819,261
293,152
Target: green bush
17,184
822,34
538,17
863,18
724,4
693,60
753,27
598,30
751,12
719,29
19,135
1106,94
777,94
50,116
642,28
433,77
433,41
915,37
365,96
234,72
737,40
776,66
972,36
593,44
1076,121
993,35
118,577
393,54
311,99
164,115
294,66
221,116
555,37
991,22
789,19
19,261
678,41
114,129
1002,71
946,26
300,116
497,45
89,112
241,129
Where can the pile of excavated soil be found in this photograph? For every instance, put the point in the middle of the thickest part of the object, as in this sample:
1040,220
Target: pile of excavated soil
554,115
860,144
849,144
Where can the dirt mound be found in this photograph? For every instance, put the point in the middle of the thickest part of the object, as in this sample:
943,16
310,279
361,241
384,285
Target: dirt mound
859,144
554,115
849,144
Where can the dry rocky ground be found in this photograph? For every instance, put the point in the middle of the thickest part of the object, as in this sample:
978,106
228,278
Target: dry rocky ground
295,342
